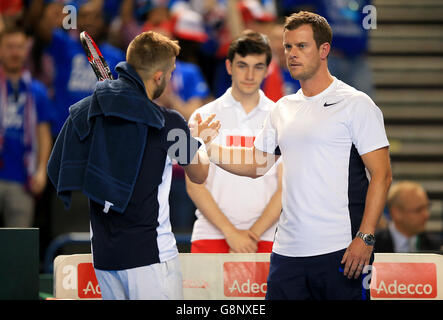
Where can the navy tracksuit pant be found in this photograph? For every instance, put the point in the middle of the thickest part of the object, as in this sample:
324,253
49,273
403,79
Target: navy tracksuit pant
313,278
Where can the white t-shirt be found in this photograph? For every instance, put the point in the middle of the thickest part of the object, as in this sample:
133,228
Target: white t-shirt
241,199
321,139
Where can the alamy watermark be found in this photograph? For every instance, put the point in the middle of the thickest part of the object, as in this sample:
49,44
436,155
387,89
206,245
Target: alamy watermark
183,148
370,20
70,20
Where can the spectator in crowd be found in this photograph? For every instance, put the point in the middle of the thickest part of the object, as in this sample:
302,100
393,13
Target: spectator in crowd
74,78
213,50
408,206
257,15
11,11
238,214
25,136
41,19
137,16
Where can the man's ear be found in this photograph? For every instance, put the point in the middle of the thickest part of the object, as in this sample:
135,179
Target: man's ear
228,66
158,76
325,48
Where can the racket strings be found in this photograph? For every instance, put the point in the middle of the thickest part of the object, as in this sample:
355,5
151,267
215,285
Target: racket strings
97,60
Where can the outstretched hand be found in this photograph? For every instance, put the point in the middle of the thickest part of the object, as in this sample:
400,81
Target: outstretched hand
206,129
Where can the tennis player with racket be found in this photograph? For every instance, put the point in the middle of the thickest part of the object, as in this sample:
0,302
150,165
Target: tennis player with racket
116,147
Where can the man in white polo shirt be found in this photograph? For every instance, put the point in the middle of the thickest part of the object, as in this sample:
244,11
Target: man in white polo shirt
329,136
238,214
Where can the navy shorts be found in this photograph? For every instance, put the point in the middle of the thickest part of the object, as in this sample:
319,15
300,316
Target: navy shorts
313,278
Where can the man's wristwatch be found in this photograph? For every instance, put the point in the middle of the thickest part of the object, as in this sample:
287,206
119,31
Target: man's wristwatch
368,238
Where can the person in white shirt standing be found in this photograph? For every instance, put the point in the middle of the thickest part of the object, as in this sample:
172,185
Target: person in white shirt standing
238,214
330,137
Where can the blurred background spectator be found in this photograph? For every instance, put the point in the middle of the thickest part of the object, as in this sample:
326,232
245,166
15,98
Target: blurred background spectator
11,10
73,78
25,136
408,207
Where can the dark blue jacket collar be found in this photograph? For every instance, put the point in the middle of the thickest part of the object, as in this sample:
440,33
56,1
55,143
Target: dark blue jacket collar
125,70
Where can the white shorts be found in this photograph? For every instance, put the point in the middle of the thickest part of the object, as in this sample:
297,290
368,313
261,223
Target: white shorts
159,281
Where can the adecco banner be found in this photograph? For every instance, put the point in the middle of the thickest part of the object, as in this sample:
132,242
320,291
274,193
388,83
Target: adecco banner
205,276
74,277
224,276
407,276
243,276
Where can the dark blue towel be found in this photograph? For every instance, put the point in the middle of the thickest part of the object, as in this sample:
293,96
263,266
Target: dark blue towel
100,147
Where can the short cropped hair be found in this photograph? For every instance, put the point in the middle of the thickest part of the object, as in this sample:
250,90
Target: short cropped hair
250,42
151,51
12,29
394,198
320,26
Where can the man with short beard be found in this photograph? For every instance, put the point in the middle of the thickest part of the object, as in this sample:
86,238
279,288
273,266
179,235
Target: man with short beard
328,134
117,146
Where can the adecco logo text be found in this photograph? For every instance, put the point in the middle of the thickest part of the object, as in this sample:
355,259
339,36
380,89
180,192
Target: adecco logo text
404,280
88,287
245,279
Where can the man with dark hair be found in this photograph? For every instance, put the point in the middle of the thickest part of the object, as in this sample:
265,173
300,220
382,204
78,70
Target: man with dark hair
327,134
25,134
238,214
250,43
117,146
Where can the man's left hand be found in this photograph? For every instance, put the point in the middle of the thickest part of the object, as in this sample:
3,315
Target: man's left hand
356,257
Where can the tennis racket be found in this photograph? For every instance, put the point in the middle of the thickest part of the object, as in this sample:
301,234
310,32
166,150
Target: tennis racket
95,57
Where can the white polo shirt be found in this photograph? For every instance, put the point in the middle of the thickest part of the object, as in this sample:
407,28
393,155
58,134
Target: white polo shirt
241,199
321,139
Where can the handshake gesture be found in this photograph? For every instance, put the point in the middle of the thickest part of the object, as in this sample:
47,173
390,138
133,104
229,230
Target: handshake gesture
206,129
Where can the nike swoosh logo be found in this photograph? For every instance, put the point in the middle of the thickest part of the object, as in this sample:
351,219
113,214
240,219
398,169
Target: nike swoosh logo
330,104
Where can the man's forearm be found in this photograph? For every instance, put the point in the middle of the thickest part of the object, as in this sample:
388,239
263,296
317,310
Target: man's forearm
378,164
272,211
375,202
198,169
248,162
